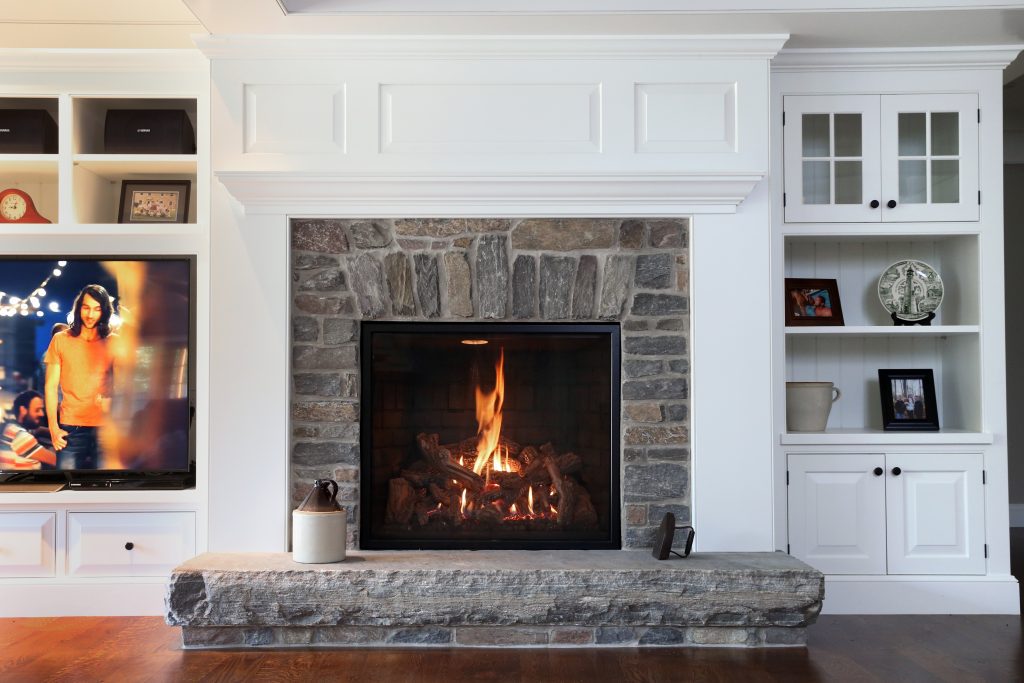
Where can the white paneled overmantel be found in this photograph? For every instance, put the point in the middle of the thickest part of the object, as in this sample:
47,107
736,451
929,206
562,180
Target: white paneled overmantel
586,125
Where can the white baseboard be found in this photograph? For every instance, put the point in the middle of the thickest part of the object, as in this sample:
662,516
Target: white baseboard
910,595
1016,514
76,600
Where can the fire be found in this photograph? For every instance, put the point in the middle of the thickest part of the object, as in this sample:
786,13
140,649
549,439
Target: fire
529,499
488,419
462,507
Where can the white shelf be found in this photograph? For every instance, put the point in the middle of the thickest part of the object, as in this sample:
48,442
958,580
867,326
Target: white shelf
99,229
879,331
30,167
873,231
94,497
878,437
120,166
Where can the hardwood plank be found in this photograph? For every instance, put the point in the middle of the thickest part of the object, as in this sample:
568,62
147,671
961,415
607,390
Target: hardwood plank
841,648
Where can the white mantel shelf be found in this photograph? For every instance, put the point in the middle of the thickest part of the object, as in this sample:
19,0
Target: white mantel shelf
878,437
522,195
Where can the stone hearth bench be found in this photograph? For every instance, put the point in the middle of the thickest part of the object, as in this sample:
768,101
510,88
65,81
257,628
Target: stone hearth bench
494,598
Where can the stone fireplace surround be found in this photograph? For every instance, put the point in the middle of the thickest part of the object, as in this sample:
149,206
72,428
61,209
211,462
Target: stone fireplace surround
635,271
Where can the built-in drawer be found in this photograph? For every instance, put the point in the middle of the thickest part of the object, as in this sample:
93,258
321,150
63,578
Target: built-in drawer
129,543
27,543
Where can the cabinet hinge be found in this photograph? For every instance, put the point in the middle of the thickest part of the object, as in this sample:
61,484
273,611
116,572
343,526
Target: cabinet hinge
784,117
984,479
979,114
787,477
986,550
979,197
787,550
783,198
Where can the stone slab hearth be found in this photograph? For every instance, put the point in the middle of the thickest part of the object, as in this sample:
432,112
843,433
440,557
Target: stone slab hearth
494,598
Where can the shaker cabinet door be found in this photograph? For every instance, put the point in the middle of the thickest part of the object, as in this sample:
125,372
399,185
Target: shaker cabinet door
936,510
837,512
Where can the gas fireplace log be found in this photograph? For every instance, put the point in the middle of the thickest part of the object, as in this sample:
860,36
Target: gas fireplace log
567,497
440,495
418,478
569,463
422,510
528,456
440,459
584,514
467,448
455,509
401,502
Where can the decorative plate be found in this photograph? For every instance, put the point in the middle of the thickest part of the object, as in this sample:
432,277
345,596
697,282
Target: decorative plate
910,289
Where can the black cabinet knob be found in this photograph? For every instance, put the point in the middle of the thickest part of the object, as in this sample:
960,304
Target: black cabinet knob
874,204
896,471
891,203
129,545
879,471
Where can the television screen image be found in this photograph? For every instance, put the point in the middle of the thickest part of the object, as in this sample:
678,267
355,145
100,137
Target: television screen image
96,364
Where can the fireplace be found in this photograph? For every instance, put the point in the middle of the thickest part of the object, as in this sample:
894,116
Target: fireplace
519,277
493,435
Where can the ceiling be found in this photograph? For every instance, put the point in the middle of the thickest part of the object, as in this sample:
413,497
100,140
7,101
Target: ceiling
849,23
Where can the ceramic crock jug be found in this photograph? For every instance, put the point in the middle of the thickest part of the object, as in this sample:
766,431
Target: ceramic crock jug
319,526
808,405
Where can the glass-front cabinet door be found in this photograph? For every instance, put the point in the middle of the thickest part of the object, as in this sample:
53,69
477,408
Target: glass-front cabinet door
832,164
930,157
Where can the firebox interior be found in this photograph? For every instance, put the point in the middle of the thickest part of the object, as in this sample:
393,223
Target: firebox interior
509,444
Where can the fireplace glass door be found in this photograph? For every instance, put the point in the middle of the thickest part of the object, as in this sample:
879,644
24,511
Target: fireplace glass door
489,435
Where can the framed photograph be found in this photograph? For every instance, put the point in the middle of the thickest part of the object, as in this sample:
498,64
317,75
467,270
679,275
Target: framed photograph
908,400
811,301
154,201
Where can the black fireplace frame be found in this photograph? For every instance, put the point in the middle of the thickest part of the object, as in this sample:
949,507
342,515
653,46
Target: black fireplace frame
613,541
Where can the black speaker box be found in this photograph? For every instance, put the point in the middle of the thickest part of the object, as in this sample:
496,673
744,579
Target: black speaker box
148,131
27,131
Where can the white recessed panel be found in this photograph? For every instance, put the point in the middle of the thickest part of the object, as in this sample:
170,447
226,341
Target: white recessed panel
294,119
475,118
686,118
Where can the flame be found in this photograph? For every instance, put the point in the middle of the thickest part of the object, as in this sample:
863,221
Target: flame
462,506
529,499
488,418
554,510
513,509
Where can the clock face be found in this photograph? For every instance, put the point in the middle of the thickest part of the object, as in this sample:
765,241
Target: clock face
13,207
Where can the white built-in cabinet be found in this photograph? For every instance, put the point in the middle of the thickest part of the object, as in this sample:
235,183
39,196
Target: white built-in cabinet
878,162
104,552
881,158
888,513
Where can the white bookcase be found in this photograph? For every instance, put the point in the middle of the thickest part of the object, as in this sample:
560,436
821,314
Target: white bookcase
105,552
875,162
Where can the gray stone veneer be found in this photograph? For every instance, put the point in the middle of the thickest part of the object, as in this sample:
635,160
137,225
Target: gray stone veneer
470,269
495,598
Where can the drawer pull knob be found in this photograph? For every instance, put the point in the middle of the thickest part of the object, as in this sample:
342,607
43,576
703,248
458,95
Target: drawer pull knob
878,471
129,545
896,471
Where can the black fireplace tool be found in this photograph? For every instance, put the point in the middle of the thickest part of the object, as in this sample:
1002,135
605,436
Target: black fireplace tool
664,536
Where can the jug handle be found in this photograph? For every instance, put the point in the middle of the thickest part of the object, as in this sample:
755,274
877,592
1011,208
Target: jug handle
838,395
333,485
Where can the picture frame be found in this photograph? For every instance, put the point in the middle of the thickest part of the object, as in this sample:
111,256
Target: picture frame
908,400
154,201
813,302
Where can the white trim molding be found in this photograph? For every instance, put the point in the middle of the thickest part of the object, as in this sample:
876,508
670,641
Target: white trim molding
895,59
535,194
481,47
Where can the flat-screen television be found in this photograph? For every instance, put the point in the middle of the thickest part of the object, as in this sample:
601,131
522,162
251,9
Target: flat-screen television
97,367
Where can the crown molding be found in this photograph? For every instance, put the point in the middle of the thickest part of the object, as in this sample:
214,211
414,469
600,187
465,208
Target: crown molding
895,59
537,194
419,47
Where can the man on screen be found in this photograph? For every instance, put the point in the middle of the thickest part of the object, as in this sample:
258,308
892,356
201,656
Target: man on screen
20,447
79,363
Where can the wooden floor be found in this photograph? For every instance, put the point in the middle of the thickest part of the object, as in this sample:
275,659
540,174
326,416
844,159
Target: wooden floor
842,648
